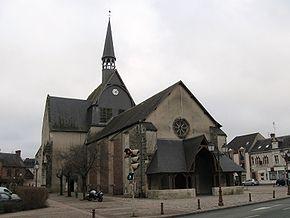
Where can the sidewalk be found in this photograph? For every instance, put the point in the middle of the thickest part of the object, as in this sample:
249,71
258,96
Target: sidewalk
61,206
122,207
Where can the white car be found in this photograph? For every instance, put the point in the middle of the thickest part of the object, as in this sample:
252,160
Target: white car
250,182
6,190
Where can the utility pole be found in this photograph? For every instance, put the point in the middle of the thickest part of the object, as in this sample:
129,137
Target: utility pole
133,156
142,142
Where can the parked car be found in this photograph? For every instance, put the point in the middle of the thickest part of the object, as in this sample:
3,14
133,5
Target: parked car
281,182
10,203
250,182
4,189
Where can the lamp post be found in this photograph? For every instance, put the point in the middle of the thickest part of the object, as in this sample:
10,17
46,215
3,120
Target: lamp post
36,167
286,156
211,147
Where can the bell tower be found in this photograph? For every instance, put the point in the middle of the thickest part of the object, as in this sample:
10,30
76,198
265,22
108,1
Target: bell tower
108,58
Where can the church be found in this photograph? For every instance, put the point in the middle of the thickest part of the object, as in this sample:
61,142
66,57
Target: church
172,131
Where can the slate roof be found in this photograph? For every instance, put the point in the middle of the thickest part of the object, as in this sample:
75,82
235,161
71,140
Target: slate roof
66,114
28,174
11,160
168,158
140,112
245,141
228,165
29,162
177,156
109,47
266,145
94,96
149,126
218,131
191,147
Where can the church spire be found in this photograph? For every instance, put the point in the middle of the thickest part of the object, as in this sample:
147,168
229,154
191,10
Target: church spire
108,53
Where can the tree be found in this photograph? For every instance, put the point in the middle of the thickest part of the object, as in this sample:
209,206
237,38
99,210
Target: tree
79,160
59,175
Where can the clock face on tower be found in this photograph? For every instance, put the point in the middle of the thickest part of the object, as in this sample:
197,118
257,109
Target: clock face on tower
181,127
115,91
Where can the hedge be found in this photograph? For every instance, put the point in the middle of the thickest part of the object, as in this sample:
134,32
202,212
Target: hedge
32,197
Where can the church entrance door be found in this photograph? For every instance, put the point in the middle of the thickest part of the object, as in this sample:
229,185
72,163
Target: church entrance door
204,170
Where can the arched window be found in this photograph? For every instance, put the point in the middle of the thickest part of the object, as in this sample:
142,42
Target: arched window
259,161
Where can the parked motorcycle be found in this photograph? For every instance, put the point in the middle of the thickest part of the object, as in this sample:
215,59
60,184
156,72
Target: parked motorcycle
94,195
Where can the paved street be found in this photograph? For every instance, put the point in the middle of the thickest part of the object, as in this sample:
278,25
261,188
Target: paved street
61,206
273,209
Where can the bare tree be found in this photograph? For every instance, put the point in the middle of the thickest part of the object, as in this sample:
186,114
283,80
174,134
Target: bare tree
79,160
60,175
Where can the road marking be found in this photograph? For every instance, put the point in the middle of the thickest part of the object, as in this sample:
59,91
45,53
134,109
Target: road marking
252,216
287,208
261,208
265,208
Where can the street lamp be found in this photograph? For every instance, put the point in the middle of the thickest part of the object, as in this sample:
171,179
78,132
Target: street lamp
36,167
211,148
285,155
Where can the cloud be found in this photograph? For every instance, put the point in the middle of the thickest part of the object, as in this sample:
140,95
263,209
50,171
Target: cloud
233,56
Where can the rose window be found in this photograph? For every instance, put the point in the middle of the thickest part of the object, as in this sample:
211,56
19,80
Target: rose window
181,127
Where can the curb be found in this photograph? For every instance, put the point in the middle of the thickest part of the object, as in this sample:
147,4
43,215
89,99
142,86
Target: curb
222,208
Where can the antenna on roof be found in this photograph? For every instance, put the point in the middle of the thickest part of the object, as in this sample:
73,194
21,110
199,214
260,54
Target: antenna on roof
274,127
109,14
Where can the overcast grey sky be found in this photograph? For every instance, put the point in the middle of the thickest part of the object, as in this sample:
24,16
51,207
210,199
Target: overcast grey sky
233,55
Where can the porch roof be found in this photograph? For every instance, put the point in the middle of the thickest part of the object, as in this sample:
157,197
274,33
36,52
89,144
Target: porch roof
228,165
177,156
168,158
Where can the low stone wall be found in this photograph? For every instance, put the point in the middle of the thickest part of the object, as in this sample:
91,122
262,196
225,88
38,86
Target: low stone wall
171,193
229,190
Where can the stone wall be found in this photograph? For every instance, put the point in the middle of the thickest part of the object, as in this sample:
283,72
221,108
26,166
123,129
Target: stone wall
118,166
62,141
171,193
230,190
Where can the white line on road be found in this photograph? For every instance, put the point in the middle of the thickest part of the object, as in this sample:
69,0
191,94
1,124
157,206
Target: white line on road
261,208
265,208
287,208
252,216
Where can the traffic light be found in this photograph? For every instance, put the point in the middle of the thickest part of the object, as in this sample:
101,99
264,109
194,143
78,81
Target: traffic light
135,159
133,154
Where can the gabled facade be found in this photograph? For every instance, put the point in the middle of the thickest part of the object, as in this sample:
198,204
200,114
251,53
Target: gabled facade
12,169
268,160
172,130
68,121
239,148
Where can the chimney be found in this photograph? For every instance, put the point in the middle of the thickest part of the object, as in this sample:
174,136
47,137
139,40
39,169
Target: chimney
272,135
274,141
18,152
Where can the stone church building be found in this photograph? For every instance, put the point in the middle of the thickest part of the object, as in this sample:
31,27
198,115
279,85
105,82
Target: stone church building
172,131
